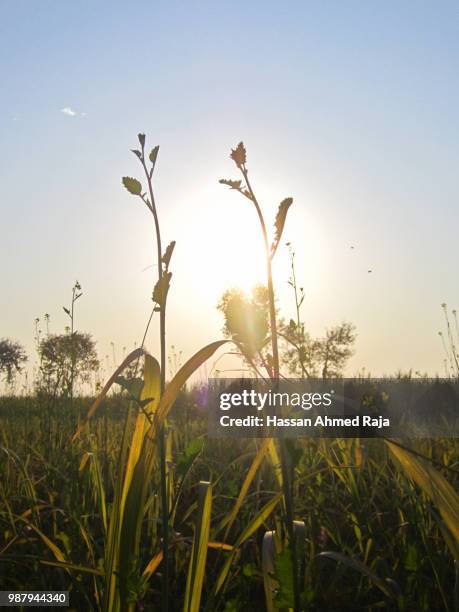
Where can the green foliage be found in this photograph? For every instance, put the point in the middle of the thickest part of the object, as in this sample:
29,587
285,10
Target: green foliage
166,259
65,359
12,358
132,185
246,319
398,528
161,290
108,516
280,222
283,572
154,155
230,183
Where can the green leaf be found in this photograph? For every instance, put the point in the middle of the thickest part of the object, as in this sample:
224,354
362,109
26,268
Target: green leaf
433,483
389,588
267,564
283,573
188,456
137,153
249,530
280,222
136,479
154,154
132,385
141,138
161,289
72,567
229,519
197,565
132,185
411,560
193,364
166,259
135,354
231,184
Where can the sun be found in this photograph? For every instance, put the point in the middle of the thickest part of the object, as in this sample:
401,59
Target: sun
238,258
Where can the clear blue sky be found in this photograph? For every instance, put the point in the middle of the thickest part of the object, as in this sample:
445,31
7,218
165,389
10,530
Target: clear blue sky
350,107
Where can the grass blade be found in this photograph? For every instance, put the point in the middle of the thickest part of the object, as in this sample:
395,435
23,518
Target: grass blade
197,565
433,483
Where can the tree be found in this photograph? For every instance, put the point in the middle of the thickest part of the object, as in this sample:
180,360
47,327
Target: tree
322,357
247,322
66,359
12,358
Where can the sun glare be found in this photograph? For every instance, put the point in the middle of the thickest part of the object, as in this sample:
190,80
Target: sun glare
238,255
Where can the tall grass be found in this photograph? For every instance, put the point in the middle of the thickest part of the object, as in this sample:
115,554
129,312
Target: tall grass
138,510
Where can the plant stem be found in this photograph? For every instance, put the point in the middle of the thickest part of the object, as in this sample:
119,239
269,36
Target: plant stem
287,471
162,447
272,306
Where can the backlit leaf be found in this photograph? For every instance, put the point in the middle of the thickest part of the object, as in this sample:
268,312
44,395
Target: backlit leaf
132,185
231,184
280,222
166,259
238,155
161,289
433,483
154,154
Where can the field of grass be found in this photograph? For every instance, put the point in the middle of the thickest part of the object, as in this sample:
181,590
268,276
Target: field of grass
371,539
123,499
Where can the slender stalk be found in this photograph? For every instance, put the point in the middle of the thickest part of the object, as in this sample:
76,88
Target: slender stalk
162,446
299,327
287,471
272,306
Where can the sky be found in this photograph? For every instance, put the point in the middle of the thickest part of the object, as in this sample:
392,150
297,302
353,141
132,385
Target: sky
349,107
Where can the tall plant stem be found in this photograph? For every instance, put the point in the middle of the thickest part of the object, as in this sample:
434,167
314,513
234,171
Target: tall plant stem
162,446
269,274
287,472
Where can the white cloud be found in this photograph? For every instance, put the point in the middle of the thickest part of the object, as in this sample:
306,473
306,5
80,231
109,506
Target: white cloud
68,111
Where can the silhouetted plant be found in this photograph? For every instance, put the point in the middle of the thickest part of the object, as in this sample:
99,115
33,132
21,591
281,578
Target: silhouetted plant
143,432
12,358
308,357
159,297
246,320
244,187
450,343
76,294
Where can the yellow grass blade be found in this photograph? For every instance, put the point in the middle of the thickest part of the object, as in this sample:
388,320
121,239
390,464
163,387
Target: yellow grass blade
173,388
135,354
433,483
219,545
229,519
151,389
56,551
74,568
258,520
153,565
137,478
197,565
275,461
